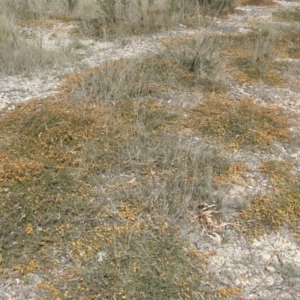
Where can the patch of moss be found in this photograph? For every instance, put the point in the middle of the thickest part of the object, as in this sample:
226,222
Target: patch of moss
257,2
288,44
240,123
270,212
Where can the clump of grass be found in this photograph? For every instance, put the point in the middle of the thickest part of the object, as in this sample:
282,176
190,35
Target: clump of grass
240,123
193,68
18,55
37,9
201,57
25,10
270,212
266,38
98,195
259,42
22,10
119,18
250,57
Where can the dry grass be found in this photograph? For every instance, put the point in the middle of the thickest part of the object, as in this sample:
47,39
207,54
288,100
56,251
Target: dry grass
20,55
116,18
96,186
250,57
123,18
170,70
246,58
105,182
41,9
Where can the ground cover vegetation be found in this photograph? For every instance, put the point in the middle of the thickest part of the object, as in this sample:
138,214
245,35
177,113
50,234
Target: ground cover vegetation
97,183
119,18
277,209
256,2
143,187
19,54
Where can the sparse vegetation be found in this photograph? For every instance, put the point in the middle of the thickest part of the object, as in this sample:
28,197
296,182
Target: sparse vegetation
65,149
193,68
19,55
218,5
250,57
276,209
119,18
287,44
100,183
